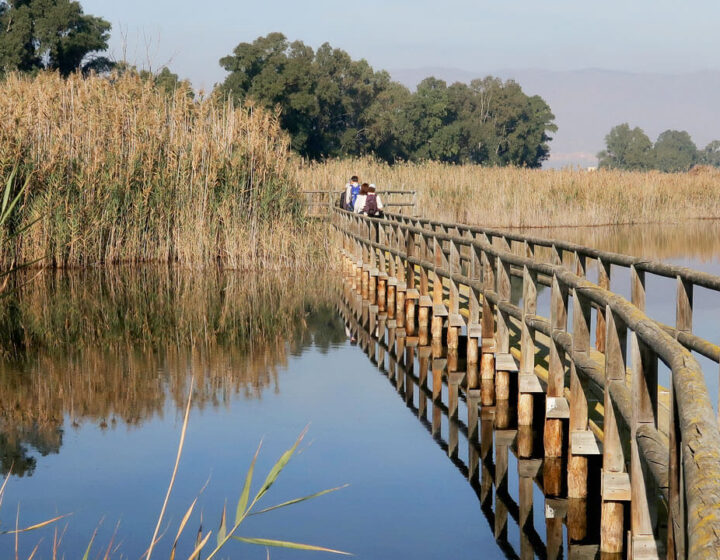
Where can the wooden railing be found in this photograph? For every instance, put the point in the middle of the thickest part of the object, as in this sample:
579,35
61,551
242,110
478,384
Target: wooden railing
320,203
442,280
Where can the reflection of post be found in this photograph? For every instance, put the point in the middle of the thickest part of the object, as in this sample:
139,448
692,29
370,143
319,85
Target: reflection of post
503,438
400,354
527,471
554,513
438,366
423,367
472,402
409,367
486,459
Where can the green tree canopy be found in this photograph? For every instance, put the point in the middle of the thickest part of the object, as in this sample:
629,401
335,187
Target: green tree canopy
332,105
51,34
674,151
710,154
627,148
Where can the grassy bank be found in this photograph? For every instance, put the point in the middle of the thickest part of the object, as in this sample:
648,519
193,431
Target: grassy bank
123,172
533,198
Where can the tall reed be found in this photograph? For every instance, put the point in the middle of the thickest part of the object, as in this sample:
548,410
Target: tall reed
511,197
120,171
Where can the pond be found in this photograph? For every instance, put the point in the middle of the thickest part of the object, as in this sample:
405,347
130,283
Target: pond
95,371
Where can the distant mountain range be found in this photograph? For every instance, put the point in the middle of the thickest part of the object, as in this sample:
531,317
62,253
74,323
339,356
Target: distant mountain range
588,103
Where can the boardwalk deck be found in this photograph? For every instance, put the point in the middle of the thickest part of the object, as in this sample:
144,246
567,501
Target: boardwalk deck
601,406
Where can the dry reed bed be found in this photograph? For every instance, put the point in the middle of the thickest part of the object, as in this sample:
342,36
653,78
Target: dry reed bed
123,172
511,197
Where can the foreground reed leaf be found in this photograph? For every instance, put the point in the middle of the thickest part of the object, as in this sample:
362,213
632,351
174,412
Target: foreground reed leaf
279,466
288,544
245,494
222,532
200,546
181,528
36,526
304,498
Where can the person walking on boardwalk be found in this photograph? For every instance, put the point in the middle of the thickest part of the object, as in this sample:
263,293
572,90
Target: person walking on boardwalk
359,203
352,189
373,205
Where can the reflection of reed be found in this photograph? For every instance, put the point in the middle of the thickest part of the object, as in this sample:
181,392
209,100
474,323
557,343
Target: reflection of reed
110,348
697,239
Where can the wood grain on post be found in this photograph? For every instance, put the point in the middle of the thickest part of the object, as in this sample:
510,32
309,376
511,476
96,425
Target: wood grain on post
578,464
612,515
527,345
553,430
604,282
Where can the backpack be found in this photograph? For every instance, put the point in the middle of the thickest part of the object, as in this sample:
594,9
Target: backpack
341,201
354,192
371,205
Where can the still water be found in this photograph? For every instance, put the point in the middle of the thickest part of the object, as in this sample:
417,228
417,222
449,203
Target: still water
94,373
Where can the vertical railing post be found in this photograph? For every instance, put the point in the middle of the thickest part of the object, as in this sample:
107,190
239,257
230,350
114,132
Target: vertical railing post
528,384
553,434
487,357
578,424
615,482
502,335
604,282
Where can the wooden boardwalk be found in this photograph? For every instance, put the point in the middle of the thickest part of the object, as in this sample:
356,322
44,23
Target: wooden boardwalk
585,377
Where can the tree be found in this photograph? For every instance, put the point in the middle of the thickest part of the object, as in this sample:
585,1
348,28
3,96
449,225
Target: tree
710,154
626,148
674,151
324,96
53,35
332,105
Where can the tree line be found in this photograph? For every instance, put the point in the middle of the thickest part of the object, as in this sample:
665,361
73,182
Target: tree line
673,151
330,104
333,105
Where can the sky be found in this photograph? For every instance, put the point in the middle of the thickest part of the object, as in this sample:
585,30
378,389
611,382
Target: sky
475,35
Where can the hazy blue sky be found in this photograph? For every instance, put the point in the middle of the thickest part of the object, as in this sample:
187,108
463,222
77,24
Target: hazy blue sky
633,35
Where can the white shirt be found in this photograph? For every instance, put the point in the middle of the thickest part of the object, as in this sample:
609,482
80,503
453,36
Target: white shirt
360,203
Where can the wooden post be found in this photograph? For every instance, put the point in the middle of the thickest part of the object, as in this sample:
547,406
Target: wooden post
527,349
603,282
553,435
487,356
381,301
578,464
615,482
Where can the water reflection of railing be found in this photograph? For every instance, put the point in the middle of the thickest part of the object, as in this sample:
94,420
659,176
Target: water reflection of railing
114,347
487,467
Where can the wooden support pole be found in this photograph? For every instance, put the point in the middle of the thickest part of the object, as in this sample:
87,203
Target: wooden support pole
390,301
410,316
527,346
604,282
381,301
578,464
615,484
400,308
423,315
553,431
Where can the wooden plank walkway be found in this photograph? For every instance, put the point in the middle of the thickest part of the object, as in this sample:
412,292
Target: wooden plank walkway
448,286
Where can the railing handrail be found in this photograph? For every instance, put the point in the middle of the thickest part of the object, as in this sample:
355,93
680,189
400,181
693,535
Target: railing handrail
697,277
698,431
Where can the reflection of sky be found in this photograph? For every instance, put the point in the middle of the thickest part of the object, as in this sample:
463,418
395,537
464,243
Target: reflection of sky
405,500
